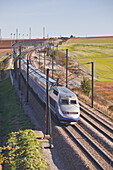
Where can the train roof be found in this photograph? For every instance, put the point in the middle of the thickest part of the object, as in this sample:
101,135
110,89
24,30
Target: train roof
41,76
63,91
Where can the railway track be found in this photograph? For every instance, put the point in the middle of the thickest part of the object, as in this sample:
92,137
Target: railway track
101,125
97,153
100,128
106,124
93,151
94,136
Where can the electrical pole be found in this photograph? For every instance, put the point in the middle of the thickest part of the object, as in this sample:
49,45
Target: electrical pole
15,62
0,34
66,68
57,55
16,33
48,49
52,61
19,35
92,80
39,59
47,107
30,33
27,78
43,32
11,44
48,116
14,36
44,61
23,39
20,68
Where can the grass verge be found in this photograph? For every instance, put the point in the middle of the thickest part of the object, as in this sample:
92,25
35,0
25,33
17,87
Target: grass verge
4,58
19,147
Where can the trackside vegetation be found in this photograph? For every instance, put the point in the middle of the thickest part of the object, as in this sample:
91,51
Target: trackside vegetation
86,85
2,60
19,146
22,151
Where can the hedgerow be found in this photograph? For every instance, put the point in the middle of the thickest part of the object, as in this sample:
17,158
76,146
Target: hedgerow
22,151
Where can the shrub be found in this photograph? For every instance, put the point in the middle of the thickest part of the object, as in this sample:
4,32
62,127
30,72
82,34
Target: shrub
86,85
22,151
110,108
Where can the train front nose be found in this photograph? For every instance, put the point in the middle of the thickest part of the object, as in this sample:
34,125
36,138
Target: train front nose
70,111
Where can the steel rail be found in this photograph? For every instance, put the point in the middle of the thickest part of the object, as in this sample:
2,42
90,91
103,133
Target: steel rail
97,148
97,128
93,116
92,144
91,157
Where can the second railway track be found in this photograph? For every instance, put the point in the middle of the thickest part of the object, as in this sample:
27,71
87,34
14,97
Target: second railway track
97,156
102,129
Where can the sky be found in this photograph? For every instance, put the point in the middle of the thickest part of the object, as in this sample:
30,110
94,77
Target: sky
59,17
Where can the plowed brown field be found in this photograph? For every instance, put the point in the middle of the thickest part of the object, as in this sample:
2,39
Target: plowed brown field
5,47
104,88
4,51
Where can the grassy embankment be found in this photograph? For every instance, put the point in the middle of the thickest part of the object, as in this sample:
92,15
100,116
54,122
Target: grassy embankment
3,59
19,147
97,50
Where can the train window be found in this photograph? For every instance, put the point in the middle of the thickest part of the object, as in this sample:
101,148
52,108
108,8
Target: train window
55,92
72,101
64,101
52,102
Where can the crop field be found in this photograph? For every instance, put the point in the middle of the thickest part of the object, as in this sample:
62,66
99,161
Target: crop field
97,50
105,89
4,51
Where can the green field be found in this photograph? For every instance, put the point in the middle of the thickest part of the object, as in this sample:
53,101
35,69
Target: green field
97,50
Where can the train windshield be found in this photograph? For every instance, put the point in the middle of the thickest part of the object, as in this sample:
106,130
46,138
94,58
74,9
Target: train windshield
73,102
64,101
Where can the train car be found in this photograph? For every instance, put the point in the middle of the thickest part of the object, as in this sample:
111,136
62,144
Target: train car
62,101
64,104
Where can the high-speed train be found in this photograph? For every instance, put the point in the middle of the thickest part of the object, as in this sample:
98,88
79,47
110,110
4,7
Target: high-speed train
63,102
